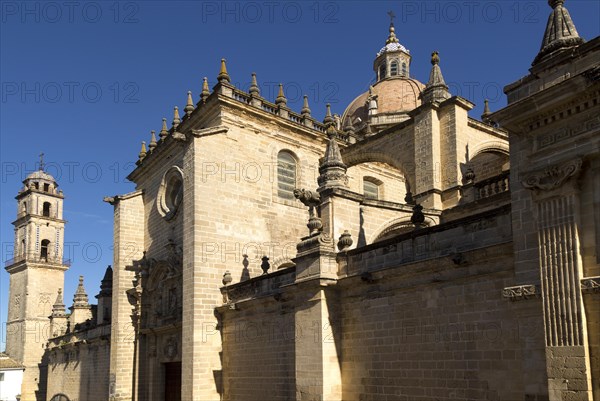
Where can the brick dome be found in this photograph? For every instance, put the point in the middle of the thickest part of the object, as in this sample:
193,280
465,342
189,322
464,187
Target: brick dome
394,95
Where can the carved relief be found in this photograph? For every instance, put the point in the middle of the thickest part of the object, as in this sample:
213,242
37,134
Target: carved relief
554,176
590,285
170,347
520,292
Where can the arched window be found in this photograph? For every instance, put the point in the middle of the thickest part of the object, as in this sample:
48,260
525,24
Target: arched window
394,68
370,188
46,209
36,185
382,69
44,250
24,207
46,187
286,175
404,69
59,397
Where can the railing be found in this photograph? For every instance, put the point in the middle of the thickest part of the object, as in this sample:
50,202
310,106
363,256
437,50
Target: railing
241,96
38,259
492,186
272,108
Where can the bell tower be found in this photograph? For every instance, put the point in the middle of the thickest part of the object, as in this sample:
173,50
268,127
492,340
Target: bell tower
36,275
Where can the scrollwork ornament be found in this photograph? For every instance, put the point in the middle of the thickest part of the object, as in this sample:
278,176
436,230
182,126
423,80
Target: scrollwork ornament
553,176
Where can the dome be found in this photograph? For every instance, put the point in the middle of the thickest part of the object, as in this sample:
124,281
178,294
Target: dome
40,175
394,95
392,47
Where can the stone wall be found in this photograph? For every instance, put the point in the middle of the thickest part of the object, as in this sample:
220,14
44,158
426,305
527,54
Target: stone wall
424,316
80,369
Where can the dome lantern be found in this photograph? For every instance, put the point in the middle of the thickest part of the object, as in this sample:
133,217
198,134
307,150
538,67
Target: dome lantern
393,60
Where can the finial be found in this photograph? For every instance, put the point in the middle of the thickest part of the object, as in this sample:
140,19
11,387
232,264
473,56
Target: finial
265,265
332,170
485,117
164,131
418,218
223,75
556,3
560,33
436,90
189,107
486,107
345,241
142,152
281,100
42,161
58,309
254,89
392,36
176,119
80,298
328,120
152,144
205,91
305,109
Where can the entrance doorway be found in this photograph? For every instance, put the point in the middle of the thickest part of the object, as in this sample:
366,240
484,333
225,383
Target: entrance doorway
173,381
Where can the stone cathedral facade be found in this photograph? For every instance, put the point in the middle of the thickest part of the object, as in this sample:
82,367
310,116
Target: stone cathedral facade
402,250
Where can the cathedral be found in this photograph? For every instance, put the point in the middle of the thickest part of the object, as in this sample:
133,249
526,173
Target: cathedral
402,250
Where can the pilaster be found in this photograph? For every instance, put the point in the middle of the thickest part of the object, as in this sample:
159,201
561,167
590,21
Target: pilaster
556,204
128,246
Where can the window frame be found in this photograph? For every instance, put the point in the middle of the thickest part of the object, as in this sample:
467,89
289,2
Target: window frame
394,70
292,163
376,184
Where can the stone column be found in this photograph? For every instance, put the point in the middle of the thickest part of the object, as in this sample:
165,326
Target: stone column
556,202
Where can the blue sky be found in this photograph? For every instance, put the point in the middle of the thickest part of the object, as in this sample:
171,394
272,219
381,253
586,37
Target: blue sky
86,81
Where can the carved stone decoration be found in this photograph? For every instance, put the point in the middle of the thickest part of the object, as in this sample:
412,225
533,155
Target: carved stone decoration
418,218
312,200
590,285
520,292
227,279
170,348
315,241
174,259
170,193
307,197
265,266
345,241
554,176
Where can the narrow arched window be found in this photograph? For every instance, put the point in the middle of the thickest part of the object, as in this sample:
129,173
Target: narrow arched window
24,207
382,68
46,187
44,250
394,68
46,209
286,175
370,188
404,69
